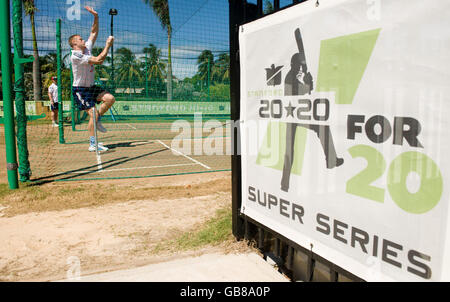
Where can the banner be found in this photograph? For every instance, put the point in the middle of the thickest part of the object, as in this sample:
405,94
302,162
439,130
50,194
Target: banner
158,108
149,107
345,133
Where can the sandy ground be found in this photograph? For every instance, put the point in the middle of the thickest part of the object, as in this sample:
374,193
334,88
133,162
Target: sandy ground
47,245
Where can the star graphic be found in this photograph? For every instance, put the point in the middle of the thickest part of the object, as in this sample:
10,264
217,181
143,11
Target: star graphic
290,110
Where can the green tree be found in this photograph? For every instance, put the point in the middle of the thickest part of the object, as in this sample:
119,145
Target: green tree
221,69
161,10
155,66
65,82
195,81
30,10
96,51
49,67
49,63
128,67
205,60
103,71
220,92
268,7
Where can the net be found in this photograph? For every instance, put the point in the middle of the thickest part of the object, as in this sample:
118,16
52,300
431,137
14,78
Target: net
168,71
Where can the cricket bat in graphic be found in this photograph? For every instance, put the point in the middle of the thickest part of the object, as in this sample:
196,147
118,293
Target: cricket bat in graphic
298,39
302,57
323,132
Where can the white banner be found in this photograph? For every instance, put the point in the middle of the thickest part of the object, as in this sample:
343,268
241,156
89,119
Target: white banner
345,133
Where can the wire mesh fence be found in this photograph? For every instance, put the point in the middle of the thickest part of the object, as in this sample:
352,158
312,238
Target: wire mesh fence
168,71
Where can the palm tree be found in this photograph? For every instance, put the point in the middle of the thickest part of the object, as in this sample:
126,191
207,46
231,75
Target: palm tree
205,60
30,10
49,63
268,7
161,10
154,65
66,59
221,70
96,51
128,67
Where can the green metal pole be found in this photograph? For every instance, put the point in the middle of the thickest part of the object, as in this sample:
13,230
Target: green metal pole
10,141
19,88
58,62
72,100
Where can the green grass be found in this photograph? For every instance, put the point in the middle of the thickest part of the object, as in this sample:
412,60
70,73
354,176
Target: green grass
32,192
215,231
4,190
71,190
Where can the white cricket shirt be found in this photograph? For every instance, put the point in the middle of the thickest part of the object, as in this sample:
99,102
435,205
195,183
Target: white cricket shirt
83,72
53,89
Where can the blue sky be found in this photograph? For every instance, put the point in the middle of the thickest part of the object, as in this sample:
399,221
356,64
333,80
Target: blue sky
197,25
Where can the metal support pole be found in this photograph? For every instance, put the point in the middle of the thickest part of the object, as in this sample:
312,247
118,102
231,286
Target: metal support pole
112,54
236,15
290,255
239,12
276,5
246,230
5,42
276,247
19,88
260,238
259,4
72,100
94,115
58,62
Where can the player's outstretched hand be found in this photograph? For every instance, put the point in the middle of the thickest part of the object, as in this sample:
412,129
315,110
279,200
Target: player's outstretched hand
91,10
110,40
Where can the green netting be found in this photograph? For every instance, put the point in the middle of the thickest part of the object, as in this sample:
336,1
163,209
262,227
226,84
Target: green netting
163,70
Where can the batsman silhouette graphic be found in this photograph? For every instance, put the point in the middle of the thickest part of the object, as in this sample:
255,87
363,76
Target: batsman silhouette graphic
299,81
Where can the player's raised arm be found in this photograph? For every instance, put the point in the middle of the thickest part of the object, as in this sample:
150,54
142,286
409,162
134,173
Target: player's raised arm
94,29
98,60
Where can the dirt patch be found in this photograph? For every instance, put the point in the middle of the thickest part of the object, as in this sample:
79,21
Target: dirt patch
119,228
63,195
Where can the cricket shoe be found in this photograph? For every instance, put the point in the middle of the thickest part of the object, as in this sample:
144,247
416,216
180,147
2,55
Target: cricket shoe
100,127
101,148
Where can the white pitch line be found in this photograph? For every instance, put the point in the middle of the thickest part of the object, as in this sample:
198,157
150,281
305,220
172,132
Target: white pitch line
109,143
136,168
131,126
151,167
99,161
141,142
176,151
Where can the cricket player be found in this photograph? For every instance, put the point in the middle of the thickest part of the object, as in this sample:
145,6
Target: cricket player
85,93
53,96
